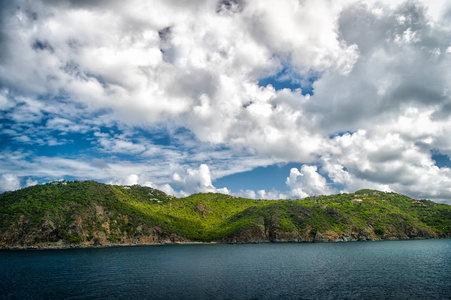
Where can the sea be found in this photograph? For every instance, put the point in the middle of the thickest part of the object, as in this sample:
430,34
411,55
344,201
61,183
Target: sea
408,269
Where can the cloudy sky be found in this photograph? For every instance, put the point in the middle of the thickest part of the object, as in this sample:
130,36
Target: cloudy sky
258,98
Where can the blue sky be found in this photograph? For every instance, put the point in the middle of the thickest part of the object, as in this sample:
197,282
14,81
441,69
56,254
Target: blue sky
289,79
261,99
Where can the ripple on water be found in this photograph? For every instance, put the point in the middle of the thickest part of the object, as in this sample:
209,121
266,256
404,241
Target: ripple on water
358,270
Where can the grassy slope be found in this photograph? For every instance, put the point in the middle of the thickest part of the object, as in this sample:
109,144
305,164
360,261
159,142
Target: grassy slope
78,211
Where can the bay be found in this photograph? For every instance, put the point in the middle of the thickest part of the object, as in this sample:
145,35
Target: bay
410,269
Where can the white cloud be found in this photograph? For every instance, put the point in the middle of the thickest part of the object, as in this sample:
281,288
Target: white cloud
65,125
5,102
307,182
197,180
167,188
121,146
212,71
387,161
31,182
9,182
247,194
271,195
262,194
131,179
382,68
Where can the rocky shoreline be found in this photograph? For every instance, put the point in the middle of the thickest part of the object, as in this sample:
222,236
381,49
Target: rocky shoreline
62,246
257,233
92,214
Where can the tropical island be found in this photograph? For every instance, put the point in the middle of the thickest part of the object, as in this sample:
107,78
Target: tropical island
64,214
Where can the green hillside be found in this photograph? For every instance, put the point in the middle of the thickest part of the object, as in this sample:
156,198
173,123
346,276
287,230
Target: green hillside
68,214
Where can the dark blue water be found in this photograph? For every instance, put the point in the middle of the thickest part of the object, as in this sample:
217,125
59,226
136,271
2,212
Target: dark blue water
419,269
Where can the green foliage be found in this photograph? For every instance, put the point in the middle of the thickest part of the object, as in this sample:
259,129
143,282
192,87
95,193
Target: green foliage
72,238
77,212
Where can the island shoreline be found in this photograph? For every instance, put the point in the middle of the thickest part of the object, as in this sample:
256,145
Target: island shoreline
38,248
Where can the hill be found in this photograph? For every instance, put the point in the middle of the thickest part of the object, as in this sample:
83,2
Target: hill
76,214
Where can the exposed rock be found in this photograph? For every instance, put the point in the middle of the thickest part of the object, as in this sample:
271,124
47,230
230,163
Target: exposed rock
253,234
364,236
330,236
100,211
347,238
319,238
202,209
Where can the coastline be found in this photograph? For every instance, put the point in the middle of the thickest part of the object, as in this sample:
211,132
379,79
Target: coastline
91,214
87,246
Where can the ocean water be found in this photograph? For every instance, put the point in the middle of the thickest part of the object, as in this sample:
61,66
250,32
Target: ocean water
413,269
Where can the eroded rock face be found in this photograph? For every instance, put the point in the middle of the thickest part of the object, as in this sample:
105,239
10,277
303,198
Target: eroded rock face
204,210
101,229
329,236
93,228
258,234
420,233
319,238
254,234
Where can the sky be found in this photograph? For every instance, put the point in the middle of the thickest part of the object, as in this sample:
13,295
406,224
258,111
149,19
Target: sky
261,99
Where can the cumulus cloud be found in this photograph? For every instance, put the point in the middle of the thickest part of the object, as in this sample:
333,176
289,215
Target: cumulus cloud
380,101
167,188
272,194
307,182
131,179
187,67
31,182
388,162
197,180
391,75
9,182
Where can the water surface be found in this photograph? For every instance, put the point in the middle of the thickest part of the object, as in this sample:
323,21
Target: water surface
414,269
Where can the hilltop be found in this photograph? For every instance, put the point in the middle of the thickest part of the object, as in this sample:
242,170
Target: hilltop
88,213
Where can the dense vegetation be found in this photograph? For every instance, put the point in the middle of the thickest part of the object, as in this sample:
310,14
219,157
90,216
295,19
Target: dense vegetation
62,214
